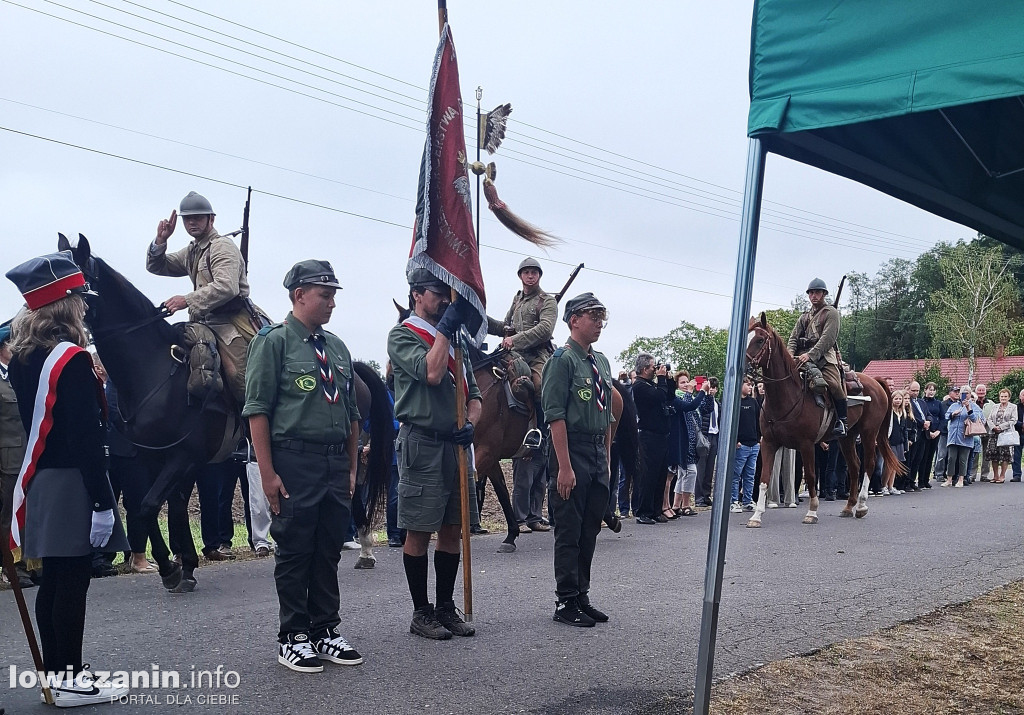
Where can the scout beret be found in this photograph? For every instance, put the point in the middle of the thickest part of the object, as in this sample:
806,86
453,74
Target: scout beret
48,278
311,272
582,302
5,332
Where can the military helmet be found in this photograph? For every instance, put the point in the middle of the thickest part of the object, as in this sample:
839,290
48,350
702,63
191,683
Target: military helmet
195,205
817,284
530,263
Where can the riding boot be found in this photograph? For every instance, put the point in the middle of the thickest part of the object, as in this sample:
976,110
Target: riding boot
839,430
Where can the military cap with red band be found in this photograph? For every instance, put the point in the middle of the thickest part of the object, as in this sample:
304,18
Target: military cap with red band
48,278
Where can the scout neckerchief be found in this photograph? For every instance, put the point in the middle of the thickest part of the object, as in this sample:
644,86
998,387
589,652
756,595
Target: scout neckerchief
598,382
42,423
428,334
4,374
326,374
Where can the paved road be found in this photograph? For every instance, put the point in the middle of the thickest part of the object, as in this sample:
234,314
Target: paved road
788,588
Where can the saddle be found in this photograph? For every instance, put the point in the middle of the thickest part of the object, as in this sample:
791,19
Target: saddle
203,359
508,371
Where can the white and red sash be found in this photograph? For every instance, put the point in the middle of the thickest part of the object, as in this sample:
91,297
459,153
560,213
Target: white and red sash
42,422
428,334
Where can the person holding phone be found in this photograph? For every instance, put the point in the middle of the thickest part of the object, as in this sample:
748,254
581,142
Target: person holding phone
958,443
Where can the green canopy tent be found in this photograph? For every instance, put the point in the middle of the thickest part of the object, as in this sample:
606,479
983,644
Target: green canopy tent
921,100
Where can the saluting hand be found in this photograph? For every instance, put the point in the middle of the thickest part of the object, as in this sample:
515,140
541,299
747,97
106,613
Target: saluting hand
165,228
273,487
566,482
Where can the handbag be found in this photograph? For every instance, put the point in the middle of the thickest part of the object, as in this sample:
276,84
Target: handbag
1009,438
703,444
975,429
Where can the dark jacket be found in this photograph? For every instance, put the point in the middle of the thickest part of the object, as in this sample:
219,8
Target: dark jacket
651,400
78,436
944,424
915,425
898,431
682,443
936,413
705,414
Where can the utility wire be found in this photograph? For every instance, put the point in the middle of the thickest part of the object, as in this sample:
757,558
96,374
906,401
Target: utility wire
686,188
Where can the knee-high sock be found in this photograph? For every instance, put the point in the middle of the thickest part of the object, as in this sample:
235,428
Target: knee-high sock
446,569
416,575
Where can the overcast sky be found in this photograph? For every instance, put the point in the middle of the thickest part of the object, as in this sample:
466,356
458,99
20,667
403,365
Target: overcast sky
627,140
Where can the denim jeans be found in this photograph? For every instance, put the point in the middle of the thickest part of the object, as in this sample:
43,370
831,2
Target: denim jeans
743,468
1015,465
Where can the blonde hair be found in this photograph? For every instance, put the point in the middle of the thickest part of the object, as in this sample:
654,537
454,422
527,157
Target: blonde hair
904,409
47,325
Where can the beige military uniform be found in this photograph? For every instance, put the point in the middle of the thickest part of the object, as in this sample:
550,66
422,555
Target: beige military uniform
12,452
532,320
821,328
218,275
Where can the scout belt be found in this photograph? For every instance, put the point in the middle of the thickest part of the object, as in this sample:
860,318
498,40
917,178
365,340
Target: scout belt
298,445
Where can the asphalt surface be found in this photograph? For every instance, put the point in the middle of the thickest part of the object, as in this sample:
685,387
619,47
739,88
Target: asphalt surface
788,588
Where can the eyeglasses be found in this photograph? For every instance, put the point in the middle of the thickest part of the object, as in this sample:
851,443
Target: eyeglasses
598,315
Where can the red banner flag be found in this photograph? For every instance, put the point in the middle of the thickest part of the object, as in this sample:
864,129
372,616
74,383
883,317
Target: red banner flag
443,239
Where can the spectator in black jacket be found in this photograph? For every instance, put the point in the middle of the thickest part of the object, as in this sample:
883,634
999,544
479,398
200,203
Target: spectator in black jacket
748,438
653,394
1015,466
934,417
899,439
710,416
953,395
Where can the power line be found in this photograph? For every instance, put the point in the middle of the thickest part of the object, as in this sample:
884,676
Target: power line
687,189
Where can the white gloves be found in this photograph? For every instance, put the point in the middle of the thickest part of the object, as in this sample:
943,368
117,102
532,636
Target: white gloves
102,528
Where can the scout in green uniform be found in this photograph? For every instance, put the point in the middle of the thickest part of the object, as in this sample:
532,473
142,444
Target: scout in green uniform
577,405
12,446
302,412
428,484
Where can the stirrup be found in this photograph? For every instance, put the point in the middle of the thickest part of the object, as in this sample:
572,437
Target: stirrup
839,429
533,439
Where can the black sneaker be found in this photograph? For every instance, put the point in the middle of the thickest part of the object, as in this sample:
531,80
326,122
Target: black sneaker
584,603
331,646
449,617
299,654
570,613
425,623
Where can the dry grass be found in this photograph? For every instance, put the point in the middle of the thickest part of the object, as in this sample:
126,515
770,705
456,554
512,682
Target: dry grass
963,659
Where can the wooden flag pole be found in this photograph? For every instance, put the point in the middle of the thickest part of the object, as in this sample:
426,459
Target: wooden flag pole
460,421
26,622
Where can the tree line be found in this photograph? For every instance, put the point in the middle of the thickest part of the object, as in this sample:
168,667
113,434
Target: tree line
957,300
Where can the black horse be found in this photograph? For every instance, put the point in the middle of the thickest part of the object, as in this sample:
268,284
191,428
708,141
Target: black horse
146,360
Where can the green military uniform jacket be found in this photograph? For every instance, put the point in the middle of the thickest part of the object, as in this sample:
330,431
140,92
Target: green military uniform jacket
821,326
417,402
283,383
567,390
215,266
532,319
12,431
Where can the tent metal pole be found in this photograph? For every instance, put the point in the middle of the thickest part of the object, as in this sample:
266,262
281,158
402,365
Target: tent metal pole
734,365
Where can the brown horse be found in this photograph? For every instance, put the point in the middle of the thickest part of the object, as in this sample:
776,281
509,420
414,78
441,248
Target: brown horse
499,434
791,418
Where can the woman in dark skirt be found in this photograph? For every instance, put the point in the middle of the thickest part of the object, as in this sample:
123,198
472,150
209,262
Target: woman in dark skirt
64,506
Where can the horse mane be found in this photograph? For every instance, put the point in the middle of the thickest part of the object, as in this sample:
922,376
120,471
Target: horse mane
132,298
787,359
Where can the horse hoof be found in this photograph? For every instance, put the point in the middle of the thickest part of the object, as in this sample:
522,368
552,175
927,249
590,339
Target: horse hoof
810,520
861,513
187,585
506,548
173,579
754,524
846,513
365,562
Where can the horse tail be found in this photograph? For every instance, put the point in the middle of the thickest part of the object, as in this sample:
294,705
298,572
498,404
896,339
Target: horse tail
882,437
382,439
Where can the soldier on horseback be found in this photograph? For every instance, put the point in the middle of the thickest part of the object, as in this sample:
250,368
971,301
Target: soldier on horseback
220,299
813,344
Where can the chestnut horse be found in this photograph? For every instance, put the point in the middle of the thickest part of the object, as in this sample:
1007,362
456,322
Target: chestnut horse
791,418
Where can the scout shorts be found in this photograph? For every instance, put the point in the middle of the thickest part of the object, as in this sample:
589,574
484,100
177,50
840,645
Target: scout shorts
428,485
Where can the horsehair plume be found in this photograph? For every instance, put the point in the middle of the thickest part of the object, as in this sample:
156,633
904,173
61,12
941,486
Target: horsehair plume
521,228
494,127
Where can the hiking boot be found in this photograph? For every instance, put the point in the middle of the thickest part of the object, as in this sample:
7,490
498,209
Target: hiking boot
425,623
83,690
448,616
570,613
331,646
584,604
299,654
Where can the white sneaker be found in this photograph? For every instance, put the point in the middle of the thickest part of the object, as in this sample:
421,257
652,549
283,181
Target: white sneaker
350,546
83,690
885,491
791,506
804,494
736,508
772,505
